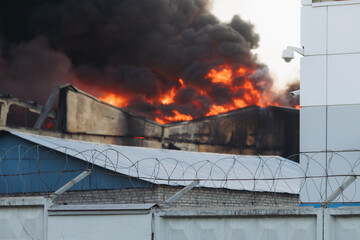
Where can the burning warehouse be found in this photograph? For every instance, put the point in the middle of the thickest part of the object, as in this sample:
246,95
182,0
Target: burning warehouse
163,61
252,130
161,74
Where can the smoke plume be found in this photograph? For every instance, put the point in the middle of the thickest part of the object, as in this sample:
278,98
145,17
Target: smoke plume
139,50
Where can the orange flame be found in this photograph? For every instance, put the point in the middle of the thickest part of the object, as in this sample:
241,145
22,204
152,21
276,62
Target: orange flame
224,76
114,100
176,118
168,98
251,94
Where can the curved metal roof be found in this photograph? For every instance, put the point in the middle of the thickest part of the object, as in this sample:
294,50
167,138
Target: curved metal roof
180,168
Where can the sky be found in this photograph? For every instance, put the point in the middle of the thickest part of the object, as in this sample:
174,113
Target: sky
278,24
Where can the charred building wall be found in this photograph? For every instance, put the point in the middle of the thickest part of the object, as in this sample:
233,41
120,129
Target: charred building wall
251,130
82,113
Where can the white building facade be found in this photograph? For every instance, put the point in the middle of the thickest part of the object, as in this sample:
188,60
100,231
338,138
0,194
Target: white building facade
330,98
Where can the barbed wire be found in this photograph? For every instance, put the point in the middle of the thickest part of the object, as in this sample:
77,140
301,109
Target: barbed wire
224,180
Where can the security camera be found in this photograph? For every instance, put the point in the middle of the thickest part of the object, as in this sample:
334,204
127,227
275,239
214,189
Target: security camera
295,93
288,53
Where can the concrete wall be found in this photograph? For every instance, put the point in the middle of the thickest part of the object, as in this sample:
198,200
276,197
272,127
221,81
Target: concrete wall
23,218
29,218
330,103
342,223
233,224
259,224
104,226
83,113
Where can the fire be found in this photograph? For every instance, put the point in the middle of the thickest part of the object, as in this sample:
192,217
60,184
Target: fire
239,82
114,100
216,109
176,118
223,76
241,71
251,95
168,98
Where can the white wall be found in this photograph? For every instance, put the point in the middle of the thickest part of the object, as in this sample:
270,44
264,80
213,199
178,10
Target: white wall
244,224
330,82
23,218
21,223
259,224
287,228
33,218
87,227
342,223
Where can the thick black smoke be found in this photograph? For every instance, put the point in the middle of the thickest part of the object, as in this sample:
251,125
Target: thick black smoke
136,47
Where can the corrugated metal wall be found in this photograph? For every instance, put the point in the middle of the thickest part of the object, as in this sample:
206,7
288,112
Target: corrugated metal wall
28,168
